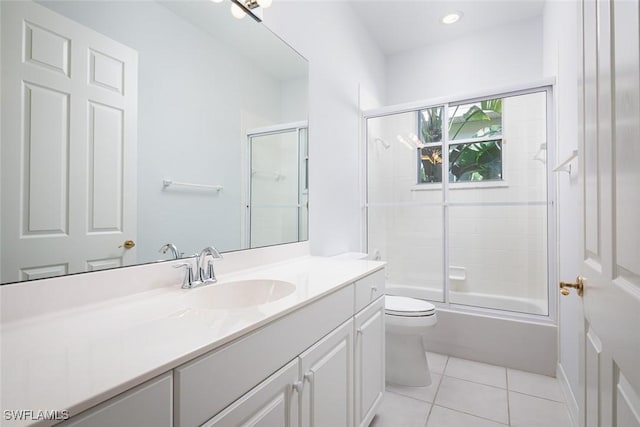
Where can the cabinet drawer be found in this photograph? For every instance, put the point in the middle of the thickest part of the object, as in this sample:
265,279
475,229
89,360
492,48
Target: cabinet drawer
148,405
368,289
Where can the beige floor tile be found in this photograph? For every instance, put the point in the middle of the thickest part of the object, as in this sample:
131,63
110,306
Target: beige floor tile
529,411
472,398
477,372
401,411
421,393
535,385
443,417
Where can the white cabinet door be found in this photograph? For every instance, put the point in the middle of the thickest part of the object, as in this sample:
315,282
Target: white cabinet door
69,125
327,375
369,362
148,405
272,403
610,243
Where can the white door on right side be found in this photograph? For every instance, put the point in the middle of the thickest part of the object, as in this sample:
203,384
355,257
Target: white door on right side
610,176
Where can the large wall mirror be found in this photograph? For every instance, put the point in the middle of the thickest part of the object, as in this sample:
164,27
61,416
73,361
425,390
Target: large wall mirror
141,131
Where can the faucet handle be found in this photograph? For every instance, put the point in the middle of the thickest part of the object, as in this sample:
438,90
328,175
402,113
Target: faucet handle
189,280
210,273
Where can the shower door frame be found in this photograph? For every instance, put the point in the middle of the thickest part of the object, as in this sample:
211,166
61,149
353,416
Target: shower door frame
547,86
303,184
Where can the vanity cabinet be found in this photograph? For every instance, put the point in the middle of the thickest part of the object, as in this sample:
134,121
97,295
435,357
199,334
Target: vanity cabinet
320,365
334,375
314,389
210,383
369,361
327,378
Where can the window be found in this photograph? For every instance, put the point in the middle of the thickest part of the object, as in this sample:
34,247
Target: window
430,149
474,142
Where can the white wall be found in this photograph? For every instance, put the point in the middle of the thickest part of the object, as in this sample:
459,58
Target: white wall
508,54
342,58
560,60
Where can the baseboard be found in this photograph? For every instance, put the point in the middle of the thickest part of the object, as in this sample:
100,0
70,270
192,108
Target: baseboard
572,403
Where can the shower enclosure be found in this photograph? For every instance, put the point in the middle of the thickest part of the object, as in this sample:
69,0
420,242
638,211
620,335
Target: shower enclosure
278,190
458,200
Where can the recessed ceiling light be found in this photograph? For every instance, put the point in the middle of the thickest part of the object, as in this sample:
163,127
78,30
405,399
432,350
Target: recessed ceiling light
451,18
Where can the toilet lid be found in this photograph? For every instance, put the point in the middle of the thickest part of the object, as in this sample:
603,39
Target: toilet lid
404,306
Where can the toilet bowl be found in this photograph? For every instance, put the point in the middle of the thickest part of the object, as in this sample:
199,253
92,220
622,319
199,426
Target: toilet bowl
406,320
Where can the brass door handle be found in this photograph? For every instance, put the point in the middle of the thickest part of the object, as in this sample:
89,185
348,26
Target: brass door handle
578,286
128,244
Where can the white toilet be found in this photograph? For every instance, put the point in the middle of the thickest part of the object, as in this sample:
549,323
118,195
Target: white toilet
406,320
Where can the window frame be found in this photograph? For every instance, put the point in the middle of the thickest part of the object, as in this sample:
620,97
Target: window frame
446,143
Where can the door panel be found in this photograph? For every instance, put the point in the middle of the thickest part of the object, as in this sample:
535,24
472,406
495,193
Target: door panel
271,403
369,361
611,207
45,140
327,398
78,91
105,168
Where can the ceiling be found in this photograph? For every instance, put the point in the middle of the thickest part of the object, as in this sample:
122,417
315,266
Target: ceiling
400,25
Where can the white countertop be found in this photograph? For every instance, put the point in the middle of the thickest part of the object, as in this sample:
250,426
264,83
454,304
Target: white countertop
77,358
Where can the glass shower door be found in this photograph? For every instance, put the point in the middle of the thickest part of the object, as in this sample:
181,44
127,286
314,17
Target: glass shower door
278,187
405,220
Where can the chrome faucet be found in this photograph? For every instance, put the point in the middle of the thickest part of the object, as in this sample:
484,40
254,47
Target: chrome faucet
189,280
207,276
174,250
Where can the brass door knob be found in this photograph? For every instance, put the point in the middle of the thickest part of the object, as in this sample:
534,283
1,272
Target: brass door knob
128,244
578,286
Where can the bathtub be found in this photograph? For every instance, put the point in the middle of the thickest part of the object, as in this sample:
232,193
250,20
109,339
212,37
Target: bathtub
474,299
525,344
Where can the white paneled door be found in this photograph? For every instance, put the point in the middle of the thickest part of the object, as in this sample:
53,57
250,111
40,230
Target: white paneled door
69,118
610,173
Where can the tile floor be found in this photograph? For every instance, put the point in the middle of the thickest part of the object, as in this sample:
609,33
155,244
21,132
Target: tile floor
472,394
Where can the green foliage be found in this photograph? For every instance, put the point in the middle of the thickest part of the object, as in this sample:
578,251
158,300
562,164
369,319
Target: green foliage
476,113
479,161
467,162
431,128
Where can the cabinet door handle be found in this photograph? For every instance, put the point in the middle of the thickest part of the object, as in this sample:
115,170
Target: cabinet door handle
298,386
309,376
374,290
359,331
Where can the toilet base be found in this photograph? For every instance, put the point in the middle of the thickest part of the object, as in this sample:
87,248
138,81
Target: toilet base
406,361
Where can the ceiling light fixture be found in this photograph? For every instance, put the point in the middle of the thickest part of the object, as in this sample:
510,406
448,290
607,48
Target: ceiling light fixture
452,18
241,8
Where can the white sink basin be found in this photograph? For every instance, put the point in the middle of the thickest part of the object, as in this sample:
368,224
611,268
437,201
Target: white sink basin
238,294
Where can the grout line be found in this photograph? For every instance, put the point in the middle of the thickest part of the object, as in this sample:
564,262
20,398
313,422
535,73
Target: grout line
472,415
404,395
476,382
539,397
435,395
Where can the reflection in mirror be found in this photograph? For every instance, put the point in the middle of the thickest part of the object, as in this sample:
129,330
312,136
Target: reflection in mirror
278,192
126,129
